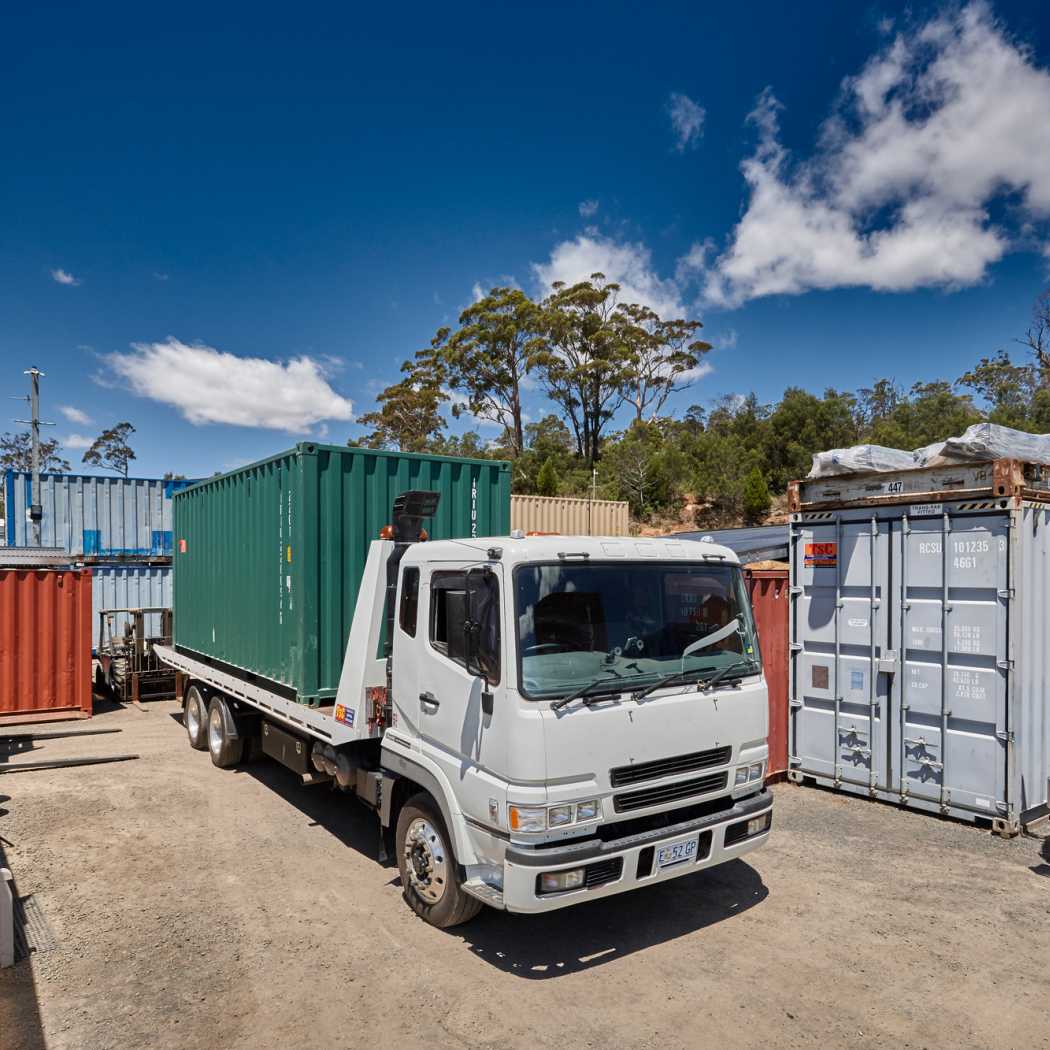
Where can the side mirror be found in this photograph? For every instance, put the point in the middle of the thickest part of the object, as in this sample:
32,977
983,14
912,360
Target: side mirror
481,631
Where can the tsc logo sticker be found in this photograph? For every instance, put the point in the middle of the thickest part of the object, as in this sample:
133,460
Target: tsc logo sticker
821,555
344,714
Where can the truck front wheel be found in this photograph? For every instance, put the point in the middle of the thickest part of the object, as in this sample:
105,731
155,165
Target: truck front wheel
226,747
429,871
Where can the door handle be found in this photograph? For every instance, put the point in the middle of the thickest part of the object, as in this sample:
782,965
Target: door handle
430,700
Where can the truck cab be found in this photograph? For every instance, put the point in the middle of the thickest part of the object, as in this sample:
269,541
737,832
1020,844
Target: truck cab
588,715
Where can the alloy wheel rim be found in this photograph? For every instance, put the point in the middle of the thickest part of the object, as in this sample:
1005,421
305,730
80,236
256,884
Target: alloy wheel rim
426,860
215,731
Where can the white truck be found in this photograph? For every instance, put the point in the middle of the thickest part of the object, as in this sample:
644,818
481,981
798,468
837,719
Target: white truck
549,719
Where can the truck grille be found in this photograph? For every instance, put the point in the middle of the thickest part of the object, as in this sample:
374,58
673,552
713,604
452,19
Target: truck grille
655,796
666,767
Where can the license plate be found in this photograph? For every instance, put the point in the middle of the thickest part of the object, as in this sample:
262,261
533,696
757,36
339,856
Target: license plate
676,853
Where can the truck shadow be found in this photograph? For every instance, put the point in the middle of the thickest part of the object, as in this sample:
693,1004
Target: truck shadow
539,947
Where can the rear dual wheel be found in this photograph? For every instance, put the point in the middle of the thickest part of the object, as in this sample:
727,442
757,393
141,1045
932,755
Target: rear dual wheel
195,718
224,742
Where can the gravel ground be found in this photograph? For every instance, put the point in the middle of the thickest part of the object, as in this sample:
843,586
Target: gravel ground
197,908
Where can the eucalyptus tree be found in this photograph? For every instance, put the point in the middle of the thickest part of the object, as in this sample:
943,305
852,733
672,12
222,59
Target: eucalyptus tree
487,359
662,357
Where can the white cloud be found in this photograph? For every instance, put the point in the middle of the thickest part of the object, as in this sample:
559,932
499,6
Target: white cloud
588,208
726,340
63,277
74,441
158,276
687,120
477,292
211,386
74,415
942,123
628,264
691,375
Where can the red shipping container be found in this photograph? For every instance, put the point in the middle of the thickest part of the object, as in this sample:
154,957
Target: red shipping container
45,645
769,599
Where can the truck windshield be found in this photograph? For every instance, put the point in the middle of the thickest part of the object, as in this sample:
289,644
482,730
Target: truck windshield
629,622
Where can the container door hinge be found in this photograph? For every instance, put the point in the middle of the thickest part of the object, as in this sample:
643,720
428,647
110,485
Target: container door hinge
1006,736
794,703
795,591
795,647
1006,592
1004,665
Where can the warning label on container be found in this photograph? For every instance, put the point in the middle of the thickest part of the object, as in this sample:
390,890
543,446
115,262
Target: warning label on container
821,555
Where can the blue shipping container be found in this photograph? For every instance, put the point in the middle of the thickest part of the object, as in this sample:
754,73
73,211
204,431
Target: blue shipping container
92,517
129,587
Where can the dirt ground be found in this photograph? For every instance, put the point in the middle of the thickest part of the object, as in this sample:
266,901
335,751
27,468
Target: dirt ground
197,908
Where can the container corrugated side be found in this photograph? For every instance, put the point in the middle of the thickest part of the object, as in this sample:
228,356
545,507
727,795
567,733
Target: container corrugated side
268,558
129,587
567,516
93,517
769,600
45,645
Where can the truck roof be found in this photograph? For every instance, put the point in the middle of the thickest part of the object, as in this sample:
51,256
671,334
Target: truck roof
598,548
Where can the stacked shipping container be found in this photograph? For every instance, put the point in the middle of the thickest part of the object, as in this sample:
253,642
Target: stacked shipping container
121,527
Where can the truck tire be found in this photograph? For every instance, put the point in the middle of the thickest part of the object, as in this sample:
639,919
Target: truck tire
429,870
225,746
195,718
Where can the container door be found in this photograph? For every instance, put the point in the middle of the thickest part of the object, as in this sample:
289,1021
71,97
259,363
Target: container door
840,635
949,741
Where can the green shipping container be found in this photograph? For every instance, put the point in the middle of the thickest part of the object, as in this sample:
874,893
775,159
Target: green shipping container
268,558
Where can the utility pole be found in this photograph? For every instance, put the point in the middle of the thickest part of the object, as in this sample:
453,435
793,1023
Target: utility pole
36,510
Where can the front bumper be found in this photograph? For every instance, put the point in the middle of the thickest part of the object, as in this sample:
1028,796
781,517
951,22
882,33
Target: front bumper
623,859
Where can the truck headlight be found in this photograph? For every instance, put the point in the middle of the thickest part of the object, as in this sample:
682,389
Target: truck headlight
749,774
588,810
527,818
540,818
558,816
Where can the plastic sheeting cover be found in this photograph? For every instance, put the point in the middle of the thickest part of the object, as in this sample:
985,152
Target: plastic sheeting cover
981,442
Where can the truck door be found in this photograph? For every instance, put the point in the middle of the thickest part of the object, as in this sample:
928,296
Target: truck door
455,730
409,633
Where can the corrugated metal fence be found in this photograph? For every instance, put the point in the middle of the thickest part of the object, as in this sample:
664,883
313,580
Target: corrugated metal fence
569,517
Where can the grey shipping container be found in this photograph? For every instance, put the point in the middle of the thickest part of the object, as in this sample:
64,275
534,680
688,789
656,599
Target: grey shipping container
129,587
919,654
92,517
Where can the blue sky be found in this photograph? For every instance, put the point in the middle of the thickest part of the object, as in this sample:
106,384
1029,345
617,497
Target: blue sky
214,216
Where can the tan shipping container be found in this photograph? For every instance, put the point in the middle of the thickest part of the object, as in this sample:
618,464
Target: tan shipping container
564,516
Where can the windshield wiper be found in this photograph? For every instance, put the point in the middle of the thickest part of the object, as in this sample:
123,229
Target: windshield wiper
681,676
584,690
718,676
668,679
